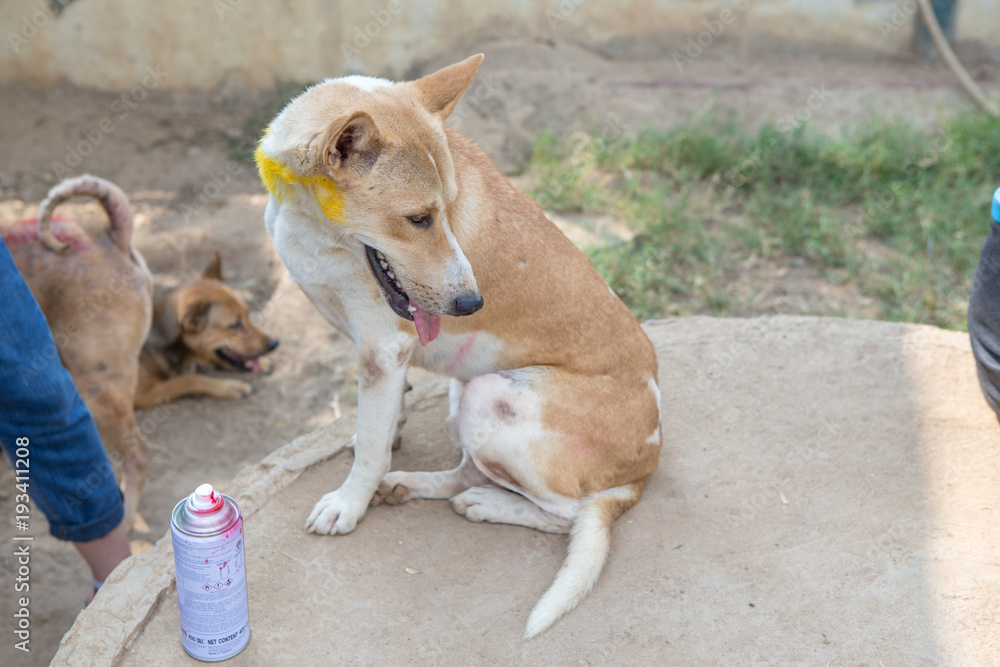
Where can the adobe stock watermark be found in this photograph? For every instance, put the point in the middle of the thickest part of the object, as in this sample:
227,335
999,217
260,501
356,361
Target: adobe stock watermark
134,439
751,165
31,25
99,472
612,131
561,14
745,343
918,341
880,203
362,36
766,496
152,418
97,302
769,494
886,544
827,429
698,43
86,483
311,270
474,100
120,109
224,7
211,190
21,460
899,17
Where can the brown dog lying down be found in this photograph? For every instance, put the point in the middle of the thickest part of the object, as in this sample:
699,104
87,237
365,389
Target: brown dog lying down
203,322
98,298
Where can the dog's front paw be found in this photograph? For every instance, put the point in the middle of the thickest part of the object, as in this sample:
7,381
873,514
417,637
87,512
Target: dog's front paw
233,389
334,515
392,490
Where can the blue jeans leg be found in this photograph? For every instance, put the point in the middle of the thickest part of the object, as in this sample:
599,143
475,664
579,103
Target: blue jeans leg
69,476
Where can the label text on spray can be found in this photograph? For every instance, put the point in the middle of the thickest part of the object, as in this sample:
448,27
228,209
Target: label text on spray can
211,589
207,533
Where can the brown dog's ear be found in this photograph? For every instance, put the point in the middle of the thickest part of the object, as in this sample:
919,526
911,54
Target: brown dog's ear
441,90
214,269
352,144
195,317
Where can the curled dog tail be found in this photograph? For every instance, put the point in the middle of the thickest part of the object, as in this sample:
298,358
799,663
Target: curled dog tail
589,544
111,197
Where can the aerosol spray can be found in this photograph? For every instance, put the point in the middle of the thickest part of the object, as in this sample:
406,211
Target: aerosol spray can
207,532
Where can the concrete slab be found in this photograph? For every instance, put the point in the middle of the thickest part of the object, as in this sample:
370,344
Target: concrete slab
827,494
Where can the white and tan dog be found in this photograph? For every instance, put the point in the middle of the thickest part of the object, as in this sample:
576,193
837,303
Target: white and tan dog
389,220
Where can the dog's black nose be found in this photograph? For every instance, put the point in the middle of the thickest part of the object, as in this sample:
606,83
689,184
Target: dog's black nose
468,303
272,344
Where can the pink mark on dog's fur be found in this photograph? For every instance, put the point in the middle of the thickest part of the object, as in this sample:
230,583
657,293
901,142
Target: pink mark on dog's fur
462,353
26,231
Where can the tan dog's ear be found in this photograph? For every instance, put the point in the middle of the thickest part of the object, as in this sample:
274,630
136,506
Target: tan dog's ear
195,317
214,269
441,90
352,144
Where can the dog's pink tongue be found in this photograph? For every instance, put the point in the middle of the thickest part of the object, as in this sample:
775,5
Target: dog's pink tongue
428,324
254,365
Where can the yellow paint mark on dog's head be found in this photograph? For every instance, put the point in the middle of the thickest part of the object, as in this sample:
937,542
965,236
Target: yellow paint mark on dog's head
272,175
278,179
331,202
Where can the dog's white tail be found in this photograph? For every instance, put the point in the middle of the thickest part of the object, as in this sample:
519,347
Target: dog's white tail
111,197
589,544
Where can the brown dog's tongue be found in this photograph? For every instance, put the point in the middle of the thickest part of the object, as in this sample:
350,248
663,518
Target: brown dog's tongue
428,324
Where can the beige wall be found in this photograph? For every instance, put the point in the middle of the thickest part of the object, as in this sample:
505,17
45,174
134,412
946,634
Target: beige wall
251,44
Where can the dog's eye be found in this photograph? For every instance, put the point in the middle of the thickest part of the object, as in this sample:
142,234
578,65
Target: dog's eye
423,220
237,326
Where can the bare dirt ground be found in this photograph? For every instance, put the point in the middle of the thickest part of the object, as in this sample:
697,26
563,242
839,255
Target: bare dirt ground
171,153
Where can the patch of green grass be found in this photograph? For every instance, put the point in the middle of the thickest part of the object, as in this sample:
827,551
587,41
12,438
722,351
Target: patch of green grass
896,211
